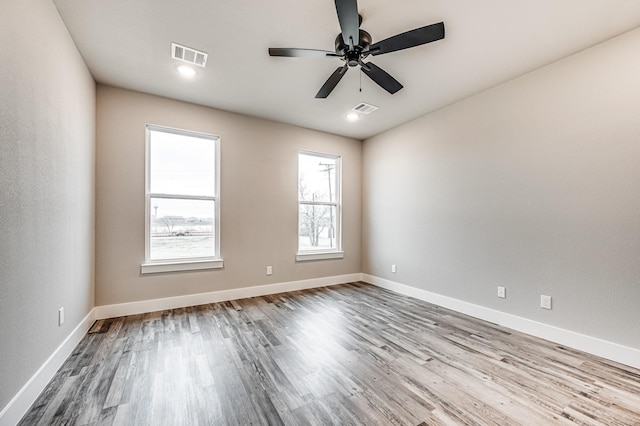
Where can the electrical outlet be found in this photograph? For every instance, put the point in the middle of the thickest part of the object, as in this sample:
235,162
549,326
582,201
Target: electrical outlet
502,292
269,270
545,302
394,269
60,316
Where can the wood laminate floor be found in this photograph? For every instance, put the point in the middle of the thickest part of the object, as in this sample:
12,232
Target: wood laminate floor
350,354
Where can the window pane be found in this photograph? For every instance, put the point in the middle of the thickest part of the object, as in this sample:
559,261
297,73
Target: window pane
316,178
181,165
181,228
317,227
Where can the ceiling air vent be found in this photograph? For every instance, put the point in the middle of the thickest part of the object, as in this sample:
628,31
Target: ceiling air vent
188,55
364,108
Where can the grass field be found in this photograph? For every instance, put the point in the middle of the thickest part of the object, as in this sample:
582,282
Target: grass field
182,247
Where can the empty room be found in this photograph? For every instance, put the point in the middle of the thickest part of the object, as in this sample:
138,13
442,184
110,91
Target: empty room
348,212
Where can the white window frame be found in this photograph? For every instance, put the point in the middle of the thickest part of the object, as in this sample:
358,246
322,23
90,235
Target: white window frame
189,264
322,254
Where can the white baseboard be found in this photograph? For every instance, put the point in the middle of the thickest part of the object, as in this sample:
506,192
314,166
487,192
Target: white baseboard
602,348
20,404
132,308
23,400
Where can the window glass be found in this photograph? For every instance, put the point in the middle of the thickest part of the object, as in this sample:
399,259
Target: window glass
182,207
316,176
318,202
181,228
181,164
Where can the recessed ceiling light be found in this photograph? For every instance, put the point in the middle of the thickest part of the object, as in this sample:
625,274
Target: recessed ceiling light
186,71
353,116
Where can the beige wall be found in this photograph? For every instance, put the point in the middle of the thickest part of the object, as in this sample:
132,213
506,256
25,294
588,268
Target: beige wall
533,185
47,118
258,198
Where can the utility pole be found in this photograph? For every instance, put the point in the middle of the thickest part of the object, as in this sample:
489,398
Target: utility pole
328,167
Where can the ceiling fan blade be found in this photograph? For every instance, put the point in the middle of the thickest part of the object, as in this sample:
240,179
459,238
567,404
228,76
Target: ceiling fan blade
409,39
332,82
299,53
381,77
349,21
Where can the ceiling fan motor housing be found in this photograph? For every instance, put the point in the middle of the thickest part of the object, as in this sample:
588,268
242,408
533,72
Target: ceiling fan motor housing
354,56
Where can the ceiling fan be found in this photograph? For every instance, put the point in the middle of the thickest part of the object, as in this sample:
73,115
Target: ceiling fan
353,46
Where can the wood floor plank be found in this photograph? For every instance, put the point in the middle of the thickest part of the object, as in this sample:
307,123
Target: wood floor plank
351,354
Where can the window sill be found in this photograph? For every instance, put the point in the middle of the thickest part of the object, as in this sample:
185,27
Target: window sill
303,257
177,266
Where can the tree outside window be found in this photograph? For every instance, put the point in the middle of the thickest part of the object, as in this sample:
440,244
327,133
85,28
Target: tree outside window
319,202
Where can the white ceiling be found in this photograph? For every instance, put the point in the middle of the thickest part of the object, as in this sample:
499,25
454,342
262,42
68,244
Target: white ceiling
127,44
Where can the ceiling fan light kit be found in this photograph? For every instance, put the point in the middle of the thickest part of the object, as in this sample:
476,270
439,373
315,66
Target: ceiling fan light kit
353,45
